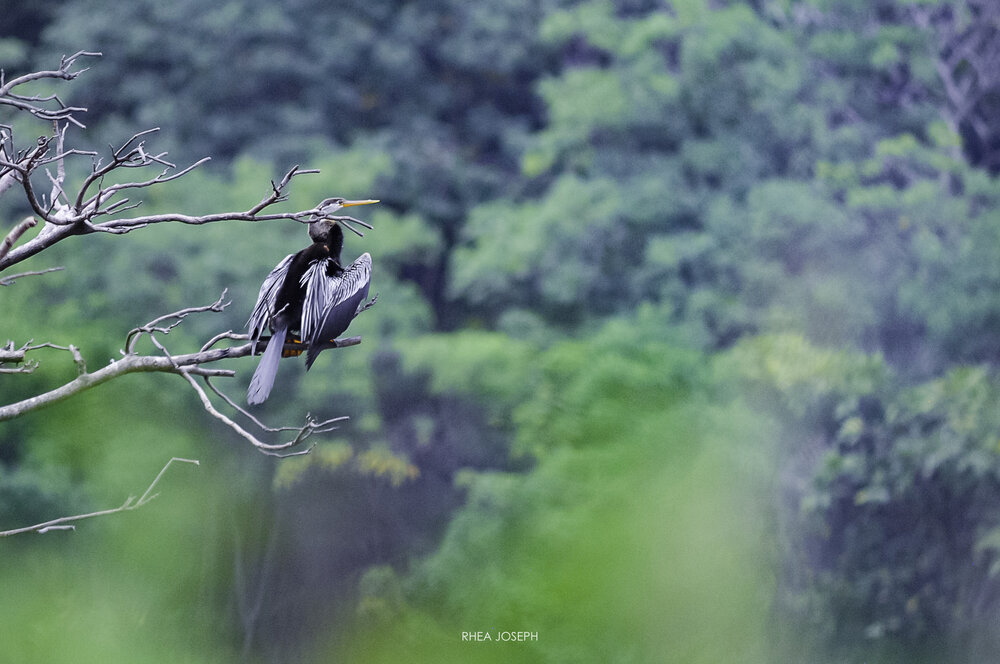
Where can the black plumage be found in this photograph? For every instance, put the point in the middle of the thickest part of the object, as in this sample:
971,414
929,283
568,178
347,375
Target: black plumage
309,294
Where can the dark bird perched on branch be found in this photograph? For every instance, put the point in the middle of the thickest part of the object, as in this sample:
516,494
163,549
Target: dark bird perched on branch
310,293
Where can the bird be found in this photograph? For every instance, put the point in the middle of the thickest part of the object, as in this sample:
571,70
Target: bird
309,293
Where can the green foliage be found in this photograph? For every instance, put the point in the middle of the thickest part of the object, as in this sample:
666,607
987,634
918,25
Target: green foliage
583,203
544,251
630,549
918,484
789,372
897,509
490,366
589,390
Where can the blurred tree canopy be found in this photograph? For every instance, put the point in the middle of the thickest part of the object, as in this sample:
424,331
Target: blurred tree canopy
689,325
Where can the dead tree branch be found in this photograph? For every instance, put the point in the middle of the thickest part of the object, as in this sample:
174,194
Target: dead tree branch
68,202
131,503
63,221
48,107
188,366
15,234
93,206
9,280
99,203
10,355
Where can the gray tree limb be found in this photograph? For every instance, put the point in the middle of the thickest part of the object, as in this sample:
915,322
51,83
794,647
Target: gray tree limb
94,206
187,365
130,504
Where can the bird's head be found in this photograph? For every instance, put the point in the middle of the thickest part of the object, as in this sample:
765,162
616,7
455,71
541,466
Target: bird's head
321,227
330,206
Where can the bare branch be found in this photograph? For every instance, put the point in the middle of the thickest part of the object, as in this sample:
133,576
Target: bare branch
320,427
11,355
26,368
127,365
63,72
41,107
178,316
187,366
130,504
95,207
211,373
15,234
107,192
9,280
10,166
64,221
8,355
61,156
228,334
304,431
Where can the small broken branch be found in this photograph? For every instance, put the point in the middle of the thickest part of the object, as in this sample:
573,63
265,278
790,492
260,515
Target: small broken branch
277,194
15,234
130,504
9,280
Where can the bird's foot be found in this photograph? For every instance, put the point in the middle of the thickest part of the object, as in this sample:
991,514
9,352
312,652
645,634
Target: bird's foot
293,348
369,304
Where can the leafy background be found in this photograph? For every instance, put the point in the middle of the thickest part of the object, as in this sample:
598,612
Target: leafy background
685,349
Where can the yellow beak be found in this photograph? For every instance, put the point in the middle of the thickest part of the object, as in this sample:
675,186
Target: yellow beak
364,202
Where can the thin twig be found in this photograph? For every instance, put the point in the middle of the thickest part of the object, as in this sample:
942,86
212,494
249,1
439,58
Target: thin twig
228,334
320,427
9,280
179,316
130,504
26,368
303,432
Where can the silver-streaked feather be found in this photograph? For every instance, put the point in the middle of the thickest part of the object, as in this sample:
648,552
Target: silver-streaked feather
347,295
320,289
267,368
267,298
355,277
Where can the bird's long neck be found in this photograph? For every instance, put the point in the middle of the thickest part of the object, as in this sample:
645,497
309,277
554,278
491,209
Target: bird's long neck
335,241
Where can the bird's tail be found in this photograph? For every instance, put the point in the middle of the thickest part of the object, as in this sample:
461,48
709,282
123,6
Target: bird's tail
314,349
263,377
311,354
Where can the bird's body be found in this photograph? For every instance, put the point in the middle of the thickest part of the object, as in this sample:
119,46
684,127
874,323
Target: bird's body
309,294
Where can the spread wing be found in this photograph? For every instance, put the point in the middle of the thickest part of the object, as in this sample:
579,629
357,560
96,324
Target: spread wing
347,292
319,289
267,298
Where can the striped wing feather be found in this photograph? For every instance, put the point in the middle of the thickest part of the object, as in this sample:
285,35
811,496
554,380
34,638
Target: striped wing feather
320,288
347,293
267,298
